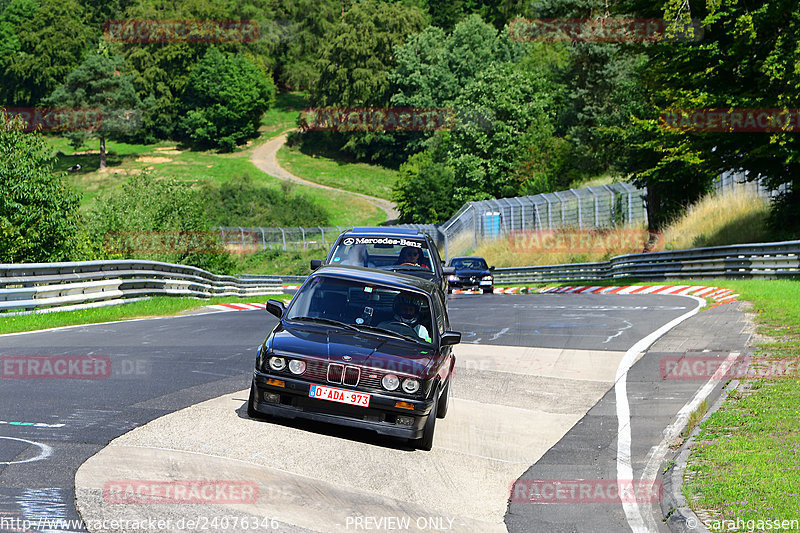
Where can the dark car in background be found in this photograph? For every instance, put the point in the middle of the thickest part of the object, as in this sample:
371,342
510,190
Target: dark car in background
471,273
388,248
360,348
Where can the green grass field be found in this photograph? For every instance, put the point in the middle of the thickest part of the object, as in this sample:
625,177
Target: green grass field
322,168
171,160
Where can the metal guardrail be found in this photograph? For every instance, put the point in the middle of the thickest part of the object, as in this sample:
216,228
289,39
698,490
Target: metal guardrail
35,286
770,260
38,286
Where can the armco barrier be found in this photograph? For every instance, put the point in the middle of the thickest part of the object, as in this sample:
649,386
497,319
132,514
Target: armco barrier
25,287
771,260
36,286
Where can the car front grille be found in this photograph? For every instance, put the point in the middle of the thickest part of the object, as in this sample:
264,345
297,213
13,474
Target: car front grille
347,375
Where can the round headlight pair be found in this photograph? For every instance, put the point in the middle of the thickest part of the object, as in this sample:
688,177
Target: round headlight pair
295,365
392,382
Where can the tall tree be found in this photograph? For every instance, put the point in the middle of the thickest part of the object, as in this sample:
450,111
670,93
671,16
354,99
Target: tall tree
745,58
48,43
225,98
358,54
99,84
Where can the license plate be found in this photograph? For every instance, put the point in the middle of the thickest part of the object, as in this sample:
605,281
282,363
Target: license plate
339,395
486,282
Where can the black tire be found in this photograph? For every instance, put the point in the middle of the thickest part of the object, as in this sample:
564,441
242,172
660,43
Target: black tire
426,441
251,404
444,401
488,290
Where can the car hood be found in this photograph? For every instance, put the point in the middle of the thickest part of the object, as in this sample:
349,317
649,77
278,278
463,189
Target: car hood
335,345
472,272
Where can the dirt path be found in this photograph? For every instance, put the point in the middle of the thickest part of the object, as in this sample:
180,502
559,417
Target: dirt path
264,157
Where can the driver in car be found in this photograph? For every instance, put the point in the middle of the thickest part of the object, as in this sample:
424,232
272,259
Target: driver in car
406,311
410,255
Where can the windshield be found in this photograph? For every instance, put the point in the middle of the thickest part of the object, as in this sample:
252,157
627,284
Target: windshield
362,305
475,263
382,252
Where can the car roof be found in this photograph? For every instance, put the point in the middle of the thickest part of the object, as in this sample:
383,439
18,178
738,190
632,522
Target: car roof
467,257
384,230
382,277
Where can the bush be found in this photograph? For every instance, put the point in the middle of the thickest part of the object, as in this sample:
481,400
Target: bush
240,202
39,219
157,220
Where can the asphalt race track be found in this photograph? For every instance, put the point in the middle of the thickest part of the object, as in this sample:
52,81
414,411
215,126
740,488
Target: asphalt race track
534,399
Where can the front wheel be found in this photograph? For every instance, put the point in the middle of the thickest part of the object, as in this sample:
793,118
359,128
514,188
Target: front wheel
426,441
251,404
444,401
488,290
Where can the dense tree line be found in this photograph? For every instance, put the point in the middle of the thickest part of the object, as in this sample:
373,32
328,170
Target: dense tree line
532,115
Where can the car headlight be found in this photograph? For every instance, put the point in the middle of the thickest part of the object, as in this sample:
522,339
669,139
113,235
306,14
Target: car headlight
297,366
410,385
277,363
487,278
390,382
453,277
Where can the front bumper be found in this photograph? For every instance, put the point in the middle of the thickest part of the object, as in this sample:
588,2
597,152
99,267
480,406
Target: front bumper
380,416
471,284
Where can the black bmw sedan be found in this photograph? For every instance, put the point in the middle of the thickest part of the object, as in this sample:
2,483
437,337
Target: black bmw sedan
360,348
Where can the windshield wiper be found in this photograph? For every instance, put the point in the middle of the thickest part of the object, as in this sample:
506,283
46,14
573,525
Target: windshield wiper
388,332
324,320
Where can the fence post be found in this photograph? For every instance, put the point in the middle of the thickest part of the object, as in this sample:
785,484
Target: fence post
549,212
283,236
305,245
263,238
596,208
241,234
563,206
580,211
323,236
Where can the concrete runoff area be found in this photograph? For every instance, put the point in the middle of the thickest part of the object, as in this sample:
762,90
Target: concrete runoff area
327,478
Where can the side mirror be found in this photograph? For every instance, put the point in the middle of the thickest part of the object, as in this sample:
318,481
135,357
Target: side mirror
276,307
316,263
449,271
491,269
450,338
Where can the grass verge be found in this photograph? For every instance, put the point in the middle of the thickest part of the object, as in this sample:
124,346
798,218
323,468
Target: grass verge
158,306
745,464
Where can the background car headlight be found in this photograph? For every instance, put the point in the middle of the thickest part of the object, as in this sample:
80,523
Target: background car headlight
277,363
487,278
453,278
297,367
390,382
410,385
